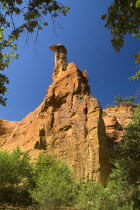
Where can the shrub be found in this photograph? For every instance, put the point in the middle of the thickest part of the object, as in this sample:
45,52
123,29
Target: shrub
52,185
127,152
93,196
121,100
125,177
14,174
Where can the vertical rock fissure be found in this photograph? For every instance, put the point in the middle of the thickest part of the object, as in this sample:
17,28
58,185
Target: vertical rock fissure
103,152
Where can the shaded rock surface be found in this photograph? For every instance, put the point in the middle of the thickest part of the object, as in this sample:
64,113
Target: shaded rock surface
68,124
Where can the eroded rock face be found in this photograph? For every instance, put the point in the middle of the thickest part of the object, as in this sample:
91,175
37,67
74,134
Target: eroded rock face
7,128
116,119
68,124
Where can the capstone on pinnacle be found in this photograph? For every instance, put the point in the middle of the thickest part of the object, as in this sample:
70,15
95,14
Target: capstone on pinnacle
60,59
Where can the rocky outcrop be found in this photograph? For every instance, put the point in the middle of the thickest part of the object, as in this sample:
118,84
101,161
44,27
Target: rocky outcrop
67,124
60,59
7,129
70,123
116,119
74,127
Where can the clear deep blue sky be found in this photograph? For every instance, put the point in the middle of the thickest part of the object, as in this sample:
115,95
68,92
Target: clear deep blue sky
88,45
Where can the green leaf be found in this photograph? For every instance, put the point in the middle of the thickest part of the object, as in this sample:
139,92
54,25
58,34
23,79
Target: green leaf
19,2
137,57
103,17
138,4
136,76
45,23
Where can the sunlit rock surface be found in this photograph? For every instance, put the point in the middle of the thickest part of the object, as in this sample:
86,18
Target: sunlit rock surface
68,124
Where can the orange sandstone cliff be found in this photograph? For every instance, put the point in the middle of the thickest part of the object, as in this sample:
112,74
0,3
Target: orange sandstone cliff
116,119
69,123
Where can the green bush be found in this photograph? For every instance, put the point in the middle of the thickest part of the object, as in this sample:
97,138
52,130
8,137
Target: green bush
120,192
14,174
52,185
127,152
46,182
121,100
92,196
124,180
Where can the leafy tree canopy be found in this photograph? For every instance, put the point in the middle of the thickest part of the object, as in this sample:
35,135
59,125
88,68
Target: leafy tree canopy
121,100
123,18
32,14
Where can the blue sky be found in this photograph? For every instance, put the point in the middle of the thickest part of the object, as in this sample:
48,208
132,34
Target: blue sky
88,45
